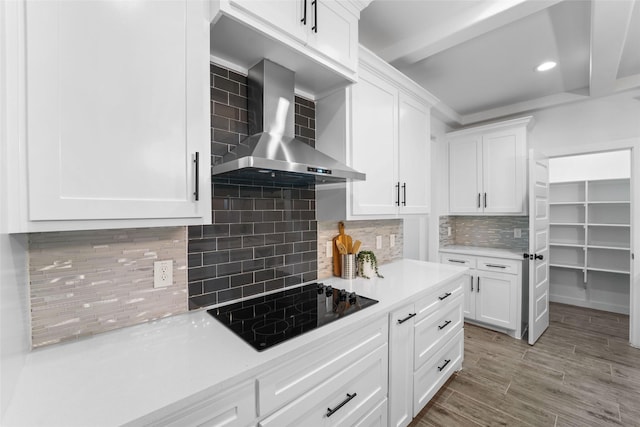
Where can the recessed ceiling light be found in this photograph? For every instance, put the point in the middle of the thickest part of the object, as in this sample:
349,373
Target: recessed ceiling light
546,66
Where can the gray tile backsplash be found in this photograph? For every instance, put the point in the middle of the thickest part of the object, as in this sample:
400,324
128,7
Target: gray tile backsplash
263,236
87,282
485,231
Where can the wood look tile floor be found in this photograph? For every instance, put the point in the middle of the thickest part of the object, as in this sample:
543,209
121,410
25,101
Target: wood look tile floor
581,372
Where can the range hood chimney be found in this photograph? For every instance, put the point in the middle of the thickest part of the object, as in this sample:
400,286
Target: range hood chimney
272,153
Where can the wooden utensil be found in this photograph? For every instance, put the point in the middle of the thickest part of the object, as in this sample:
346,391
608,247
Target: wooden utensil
346,241
356,247
342,249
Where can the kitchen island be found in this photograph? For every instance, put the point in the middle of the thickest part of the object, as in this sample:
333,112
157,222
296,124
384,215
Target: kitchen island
153,373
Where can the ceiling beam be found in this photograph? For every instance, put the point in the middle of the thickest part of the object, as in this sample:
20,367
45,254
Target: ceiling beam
483,17
609,25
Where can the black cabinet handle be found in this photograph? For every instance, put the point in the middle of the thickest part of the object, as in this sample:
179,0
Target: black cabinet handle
446,362
536,256
404,194
315,16
471,277
448,294
496,266
485,200
304,13
398,194
478,287
456,260
400,321
440,327
344,402
196,161
478,200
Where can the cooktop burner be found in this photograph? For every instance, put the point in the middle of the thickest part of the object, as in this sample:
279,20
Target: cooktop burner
271,319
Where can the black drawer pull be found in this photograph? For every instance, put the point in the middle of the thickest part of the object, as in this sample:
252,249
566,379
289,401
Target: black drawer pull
400,321
445,325
304,13
456,260
440,368
344,402
496,266
448,294
471,277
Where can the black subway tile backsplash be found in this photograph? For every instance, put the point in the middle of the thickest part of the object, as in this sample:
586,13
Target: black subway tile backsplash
263,236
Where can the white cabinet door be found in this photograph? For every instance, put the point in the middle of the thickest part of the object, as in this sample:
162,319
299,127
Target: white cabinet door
401,342
414,156
117,107
496,301
374,145
286,15
465,175
333,31
504,167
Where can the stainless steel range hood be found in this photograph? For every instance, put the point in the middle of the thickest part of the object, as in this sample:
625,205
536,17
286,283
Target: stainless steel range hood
272,153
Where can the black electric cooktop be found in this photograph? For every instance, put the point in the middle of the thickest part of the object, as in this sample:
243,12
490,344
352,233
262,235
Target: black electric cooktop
271,319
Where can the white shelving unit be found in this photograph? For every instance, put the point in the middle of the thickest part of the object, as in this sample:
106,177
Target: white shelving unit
590,255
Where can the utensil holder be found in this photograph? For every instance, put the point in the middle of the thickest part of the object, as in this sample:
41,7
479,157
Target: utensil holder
348,268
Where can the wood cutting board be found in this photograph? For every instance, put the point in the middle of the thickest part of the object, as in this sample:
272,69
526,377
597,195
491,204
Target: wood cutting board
347,242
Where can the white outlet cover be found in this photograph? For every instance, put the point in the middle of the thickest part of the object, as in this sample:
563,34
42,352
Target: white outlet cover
392,240
162,273
329,249
517,233
378,242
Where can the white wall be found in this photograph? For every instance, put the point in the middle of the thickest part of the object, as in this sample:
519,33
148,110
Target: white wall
439,183
14,328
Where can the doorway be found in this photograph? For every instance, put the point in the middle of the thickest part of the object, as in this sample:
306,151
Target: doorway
591,230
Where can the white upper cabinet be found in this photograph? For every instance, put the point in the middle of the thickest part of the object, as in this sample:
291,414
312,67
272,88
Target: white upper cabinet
288,16
374,147
117,111
334,32
379,126
414,156
487,169
318,39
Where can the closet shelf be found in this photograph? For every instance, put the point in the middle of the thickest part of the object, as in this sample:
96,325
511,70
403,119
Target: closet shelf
608,225
608,270
573,267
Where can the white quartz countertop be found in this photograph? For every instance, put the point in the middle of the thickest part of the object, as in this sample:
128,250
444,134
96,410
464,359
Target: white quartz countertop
119,376
481,251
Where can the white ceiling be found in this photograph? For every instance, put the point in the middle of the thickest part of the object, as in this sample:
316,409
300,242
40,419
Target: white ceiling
478,56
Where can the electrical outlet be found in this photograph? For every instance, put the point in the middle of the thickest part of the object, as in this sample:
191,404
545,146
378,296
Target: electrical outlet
163,273
328,252
448,231
392,240
378,242
517,233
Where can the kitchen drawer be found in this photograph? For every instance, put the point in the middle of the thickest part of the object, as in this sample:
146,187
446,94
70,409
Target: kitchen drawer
351,393
435,330
233,407
311,368
445,294
498,265
428,379
377,417
460,260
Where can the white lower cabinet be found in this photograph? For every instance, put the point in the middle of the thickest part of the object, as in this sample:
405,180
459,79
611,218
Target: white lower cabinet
492,290
232,407
342,399
419,335
428,379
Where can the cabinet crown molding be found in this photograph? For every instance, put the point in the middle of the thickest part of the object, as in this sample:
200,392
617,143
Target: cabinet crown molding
386,71
527,121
